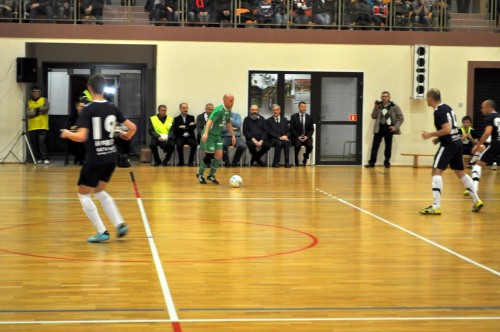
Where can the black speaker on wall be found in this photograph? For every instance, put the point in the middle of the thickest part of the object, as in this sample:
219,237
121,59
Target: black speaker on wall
26,70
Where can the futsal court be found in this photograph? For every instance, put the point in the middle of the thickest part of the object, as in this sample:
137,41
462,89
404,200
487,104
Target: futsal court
300,249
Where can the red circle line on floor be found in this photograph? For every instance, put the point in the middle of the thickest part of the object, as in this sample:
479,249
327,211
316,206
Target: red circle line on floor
312,244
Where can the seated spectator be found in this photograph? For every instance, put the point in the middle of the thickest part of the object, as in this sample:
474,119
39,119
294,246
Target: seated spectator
226,141
265,12
92,9
440,13
380,13
165,10
64,10
8,10
255,131
36,7
279,136
184,127
302,12
222,12
201,120
200,11
279,12
470,138
323,11
249,11
401,16
421,14
161,135
362,13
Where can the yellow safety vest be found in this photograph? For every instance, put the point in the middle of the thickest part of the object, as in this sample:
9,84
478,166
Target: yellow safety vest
40,121
463,132
87,94
162,128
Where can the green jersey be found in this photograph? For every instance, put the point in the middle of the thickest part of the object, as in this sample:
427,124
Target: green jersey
220,116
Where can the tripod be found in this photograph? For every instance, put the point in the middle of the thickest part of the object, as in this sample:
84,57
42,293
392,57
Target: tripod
22,134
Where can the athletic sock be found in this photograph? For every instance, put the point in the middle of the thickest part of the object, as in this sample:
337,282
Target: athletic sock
469,185
213,167
437,188
476,176
202,168
91,211
109,206
475,157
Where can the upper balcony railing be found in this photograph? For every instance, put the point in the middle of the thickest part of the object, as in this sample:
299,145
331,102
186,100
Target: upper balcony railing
393,15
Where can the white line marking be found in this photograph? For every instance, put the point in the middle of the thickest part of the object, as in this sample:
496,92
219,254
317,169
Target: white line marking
420,237
222,320
159,268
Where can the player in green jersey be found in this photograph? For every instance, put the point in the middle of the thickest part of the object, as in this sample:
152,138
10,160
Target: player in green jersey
211,140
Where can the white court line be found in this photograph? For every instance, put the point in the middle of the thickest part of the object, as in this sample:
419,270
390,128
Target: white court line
159,268
228,320
414,234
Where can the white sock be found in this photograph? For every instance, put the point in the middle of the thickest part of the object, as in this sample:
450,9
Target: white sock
469,185
476,176
109,206
437,189
475,158
91,211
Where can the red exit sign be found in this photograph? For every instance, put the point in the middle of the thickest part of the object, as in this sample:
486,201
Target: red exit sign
353,117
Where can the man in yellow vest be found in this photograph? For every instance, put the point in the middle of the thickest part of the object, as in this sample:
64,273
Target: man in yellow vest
161,135
37,112
86,97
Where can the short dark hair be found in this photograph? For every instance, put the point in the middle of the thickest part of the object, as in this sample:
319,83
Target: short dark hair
181,105
491,103
434,94
79,102
302,102
97,83
386,92
35,87
161,106
467,118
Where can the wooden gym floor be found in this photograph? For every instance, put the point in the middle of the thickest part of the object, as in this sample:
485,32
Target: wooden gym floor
301,249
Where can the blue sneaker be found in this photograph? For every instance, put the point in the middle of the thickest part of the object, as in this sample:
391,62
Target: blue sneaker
99,237
122,230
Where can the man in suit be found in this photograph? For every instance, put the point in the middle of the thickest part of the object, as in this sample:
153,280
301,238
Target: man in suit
388,118
302,129
278,133
184,127
255,131
201,120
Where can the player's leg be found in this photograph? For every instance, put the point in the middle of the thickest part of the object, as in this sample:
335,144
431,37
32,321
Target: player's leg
439,166
215,162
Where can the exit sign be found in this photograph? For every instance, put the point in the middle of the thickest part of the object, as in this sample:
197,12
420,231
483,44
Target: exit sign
353,117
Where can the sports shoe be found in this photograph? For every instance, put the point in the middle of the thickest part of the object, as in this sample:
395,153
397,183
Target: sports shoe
478,206
200,178
430,210
494,166
40,161
99,237
46,162
212,179
122,230
466,193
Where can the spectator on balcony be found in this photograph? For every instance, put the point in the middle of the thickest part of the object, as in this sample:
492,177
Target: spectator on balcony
36,7
64,10
401,17
223,12
380,11
200,11
165,10
421,14
362,13
8,10
440,14
279,11
265,14
323,11
91,9
302,12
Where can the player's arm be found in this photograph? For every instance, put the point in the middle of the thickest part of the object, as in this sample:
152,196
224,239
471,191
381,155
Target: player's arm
126,135
208,126
487,132
445,130
79,136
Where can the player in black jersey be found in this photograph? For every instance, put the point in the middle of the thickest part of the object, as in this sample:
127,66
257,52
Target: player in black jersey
492,121
96,128
449,153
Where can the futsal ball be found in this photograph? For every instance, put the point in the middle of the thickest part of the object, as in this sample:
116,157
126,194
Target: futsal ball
235,181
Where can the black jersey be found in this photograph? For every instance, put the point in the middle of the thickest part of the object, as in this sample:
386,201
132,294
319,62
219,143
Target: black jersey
444,114
494,120
100,118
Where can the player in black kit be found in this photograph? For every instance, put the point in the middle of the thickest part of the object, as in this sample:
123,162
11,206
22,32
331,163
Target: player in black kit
96,127
449,153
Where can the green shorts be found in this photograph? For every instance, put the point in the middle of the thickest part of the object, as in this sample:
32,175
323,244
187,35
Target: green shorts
212,144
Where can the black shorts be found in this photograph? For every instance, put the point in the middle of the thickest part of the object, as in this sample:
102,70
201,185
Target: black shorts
468,149
90,175
449,154
489,154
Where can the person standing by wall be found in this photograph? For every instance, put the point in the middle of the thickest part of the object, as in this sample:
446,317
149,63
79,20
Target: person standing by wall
37,111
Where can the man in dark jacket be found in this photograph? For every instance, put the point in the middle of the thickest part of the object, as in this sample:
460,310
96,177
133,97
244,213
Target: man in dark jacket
255,131
36,7
184,127
279,136
200,11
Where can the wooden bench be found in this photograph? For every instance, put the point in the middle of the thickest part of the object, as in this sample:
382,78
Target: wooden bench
416,155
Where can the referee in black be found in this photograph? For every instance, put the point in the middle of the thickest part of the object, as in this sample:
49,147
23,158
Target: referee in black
96,128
